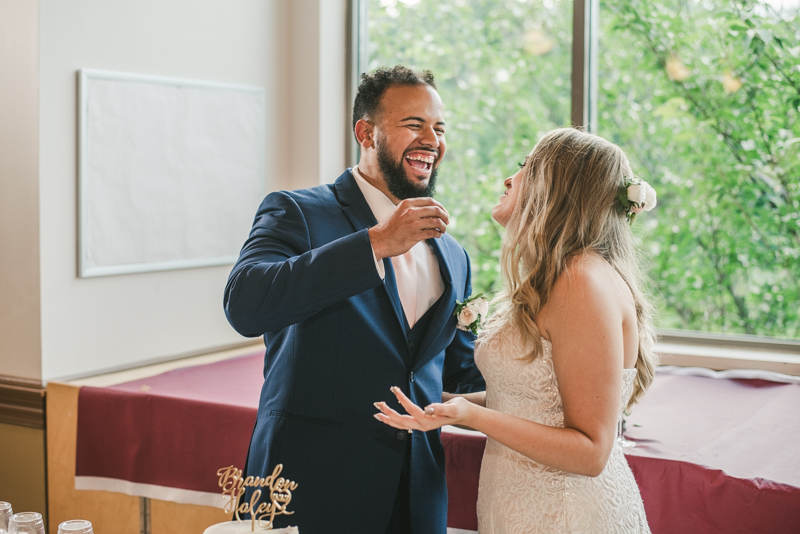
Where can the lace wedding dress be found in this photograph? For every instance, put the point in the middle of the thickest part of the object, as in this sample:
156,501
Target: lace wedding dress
520,496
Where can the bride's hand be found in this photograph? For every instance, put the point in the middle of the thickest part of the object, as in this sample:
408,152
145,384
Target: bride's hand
453,412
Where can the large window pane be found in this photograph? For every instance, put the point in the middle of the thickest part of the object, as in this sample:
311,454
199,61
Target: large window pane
503,70
704,96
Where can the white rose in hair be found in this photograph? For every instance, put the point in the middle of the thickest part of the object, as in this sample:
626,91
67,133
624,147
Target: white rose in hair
650,201
468,315
637,193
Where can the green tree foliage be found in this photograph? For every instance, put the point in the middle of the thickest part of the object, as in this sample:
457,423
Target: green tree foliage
702,95
502,68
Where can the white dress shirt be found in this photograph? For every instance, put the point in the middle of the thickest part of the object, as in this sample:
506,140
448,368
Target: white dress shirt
429,284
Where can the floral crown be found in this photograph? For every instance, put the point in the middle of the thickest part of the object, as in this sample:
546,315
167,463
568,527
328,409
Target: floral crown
635,196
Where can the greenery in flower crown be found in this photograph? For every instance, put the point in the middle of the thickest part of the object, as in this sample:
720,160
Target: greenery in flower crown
623,204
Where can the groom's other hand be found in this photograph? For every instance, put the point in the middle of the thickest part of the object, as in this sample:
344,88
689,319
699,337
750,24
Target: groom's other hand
413,220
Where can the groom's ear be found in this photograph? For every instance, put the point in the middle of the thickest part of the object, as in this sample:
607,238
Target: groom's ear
364,133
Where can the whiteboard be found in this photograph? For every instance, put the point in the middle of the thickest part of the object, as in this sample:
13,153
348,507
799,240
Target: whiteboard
170,171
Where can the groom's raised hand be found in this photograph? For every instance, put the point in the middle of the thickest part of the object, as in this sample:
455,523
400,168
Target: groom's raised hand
411,221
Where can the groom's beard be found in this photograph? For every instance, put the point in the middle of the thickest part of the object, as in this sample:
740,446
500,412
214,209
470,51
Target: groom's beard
398,182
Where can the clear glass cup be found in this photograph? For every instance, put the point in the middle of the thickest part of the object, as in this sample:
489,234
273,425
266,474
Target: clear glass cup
75,526
26,523
5,514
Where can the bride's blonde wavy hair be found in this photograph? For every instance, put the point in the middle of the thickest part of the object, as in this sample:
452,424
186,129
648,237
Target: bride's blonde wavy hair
566,206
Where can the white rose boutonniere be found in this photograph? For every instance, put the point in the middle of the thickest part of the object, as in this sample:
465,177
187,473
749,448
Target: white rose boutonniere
471,313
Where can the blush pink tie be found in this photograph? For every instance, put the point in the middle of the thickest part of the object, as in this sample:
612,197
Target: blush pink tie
405,270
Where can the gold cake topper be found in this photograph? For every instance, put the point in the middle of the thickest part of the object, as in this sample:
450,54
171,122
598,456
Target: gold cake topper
262,513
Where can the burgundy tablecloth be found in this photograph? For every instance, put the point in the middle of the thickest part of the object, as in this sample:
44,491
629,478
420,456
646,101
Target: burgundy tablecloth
713,455
175,429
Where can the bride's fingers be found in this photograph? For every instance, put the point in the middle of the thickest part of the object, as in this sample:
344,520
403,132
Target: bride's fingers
441,410
384,419
406,403
399,421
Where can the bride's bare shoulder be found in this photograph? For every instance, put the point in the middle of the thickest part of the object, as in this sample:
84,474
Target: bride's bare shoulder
587,271
587,281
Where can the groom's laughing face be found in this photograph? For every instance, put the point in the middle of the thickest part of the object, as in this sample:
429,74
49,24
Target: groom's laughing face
409,139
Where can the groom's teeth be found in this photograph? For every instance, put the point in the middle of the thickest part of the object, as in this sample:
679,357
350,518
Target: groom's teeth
425,159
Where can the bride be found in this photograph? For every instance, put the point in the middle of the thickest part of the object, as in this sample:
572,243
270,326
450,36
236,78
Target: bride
569,348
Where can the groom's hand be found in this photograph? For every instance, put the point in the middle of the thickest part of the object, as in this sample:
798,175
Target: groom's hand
411,221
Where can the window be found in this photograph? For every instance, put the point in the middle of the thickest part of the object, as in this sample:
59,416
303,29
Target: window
703,95
503,70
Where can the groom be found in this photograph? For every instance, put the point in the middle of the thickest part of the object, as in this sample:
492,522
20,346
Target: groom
353,287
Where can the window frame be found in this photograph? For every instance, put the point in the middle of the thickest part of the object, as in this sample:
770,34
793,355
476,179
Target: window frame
678,347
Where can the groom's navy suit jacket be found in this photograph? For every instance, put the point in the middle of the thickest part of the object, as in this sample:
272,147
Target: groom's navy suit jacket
336,341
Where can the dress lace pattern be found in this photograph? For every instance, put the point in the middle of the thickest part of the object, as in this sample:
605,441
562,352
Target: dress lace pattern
520,496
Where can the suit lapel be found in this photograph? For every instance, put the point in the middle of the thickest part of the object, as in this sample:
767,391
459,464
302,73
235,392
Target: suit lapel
390,284
443,307
354,205
357,210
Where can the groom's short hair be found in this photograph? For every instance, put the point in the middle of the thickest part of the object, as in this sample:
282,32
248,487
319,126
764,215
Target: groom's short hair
372,87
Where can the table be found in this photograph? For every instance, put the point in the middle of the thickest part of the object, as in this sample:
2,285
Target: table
713,454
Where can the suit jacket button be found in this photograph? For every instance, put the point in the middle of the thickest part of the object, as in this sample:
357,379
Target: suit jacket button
411,345
401,435
411,376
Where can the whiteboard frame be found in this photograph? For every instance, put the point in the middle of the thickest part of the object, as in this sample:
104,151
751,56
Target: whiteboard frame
84,75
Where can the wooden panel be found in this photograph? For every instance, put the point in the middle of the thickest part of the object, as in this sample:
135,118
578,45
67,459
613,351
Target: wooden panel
108,512
23,480
22,402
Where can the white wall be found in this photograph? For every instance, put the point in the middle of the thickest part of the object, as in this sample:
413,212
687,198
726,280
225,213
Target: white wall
336,109
56,325
115,321
319,111
20,335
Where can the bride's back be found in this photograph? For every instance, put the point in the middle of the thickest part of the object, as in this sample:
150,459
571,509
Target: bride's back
589,273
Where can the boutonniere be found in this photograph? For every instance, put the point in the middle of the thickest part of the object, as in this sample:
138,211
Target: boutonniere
471,313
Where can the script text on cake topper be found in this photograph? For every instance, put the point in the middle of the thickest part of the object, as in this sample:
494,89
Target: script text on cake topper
261,512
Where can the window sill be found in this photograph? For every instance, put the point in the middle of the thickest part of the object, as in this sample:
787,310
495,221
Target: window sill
721,353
